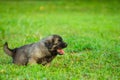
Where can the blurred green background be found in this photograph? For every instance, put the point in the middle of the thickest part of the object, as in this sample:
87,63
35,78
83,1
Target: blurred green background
90,27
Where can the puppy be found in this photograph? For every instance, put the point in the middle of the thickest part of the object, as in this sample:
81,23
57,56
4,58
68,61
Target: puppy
42,52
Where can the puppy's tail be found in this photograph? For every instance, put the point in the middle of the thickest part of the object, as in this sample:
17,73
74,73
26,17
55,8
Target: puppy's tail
7,50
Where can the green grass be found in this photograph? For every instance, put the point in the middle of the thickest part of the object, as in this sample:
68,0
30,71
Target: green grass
91,29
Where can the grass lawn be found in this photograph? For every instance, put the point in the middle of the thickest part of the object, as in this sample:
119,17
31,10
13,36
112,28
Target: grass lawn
91,29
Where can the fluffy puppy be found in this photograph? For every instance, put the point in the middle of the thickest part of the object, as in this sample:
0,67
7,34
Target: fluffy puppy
42,52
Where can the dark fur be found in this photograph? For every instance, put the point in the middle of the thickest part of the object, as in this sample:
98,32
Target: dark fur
42,52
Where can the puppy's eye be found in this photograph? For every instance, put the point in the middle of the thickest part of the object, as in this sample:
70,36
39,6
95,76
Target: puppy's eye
59,40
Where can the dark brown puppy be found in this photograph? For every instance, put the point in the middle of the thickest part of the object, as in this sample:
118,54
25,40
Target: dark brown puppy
42,52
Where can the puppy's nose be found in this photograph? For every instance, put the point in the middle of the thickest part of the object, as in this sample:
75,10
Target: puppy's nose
65,44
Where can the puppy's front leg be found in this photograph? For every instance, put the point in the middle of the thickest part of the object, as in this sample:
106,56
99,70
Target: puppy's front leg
32,61
47,65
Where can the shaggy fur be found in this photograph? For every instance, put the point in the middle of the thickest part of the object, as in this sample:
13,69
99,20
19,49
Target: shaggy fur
42,52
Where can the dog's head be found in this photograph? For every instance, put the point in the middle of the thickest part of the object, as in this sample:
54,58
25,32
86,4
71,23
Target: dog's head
55,44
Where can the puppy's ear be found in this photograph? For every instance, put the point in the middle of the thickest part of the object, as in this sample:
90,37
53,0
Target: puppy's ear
48,44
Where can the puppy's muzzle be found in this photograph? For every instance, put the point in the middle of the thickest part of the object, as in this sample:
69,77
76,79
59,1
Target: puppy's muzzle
64,45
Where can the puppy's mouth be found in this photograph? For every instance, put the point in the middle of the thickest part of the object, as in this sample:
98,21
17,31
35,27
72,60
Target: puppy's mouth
60,51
